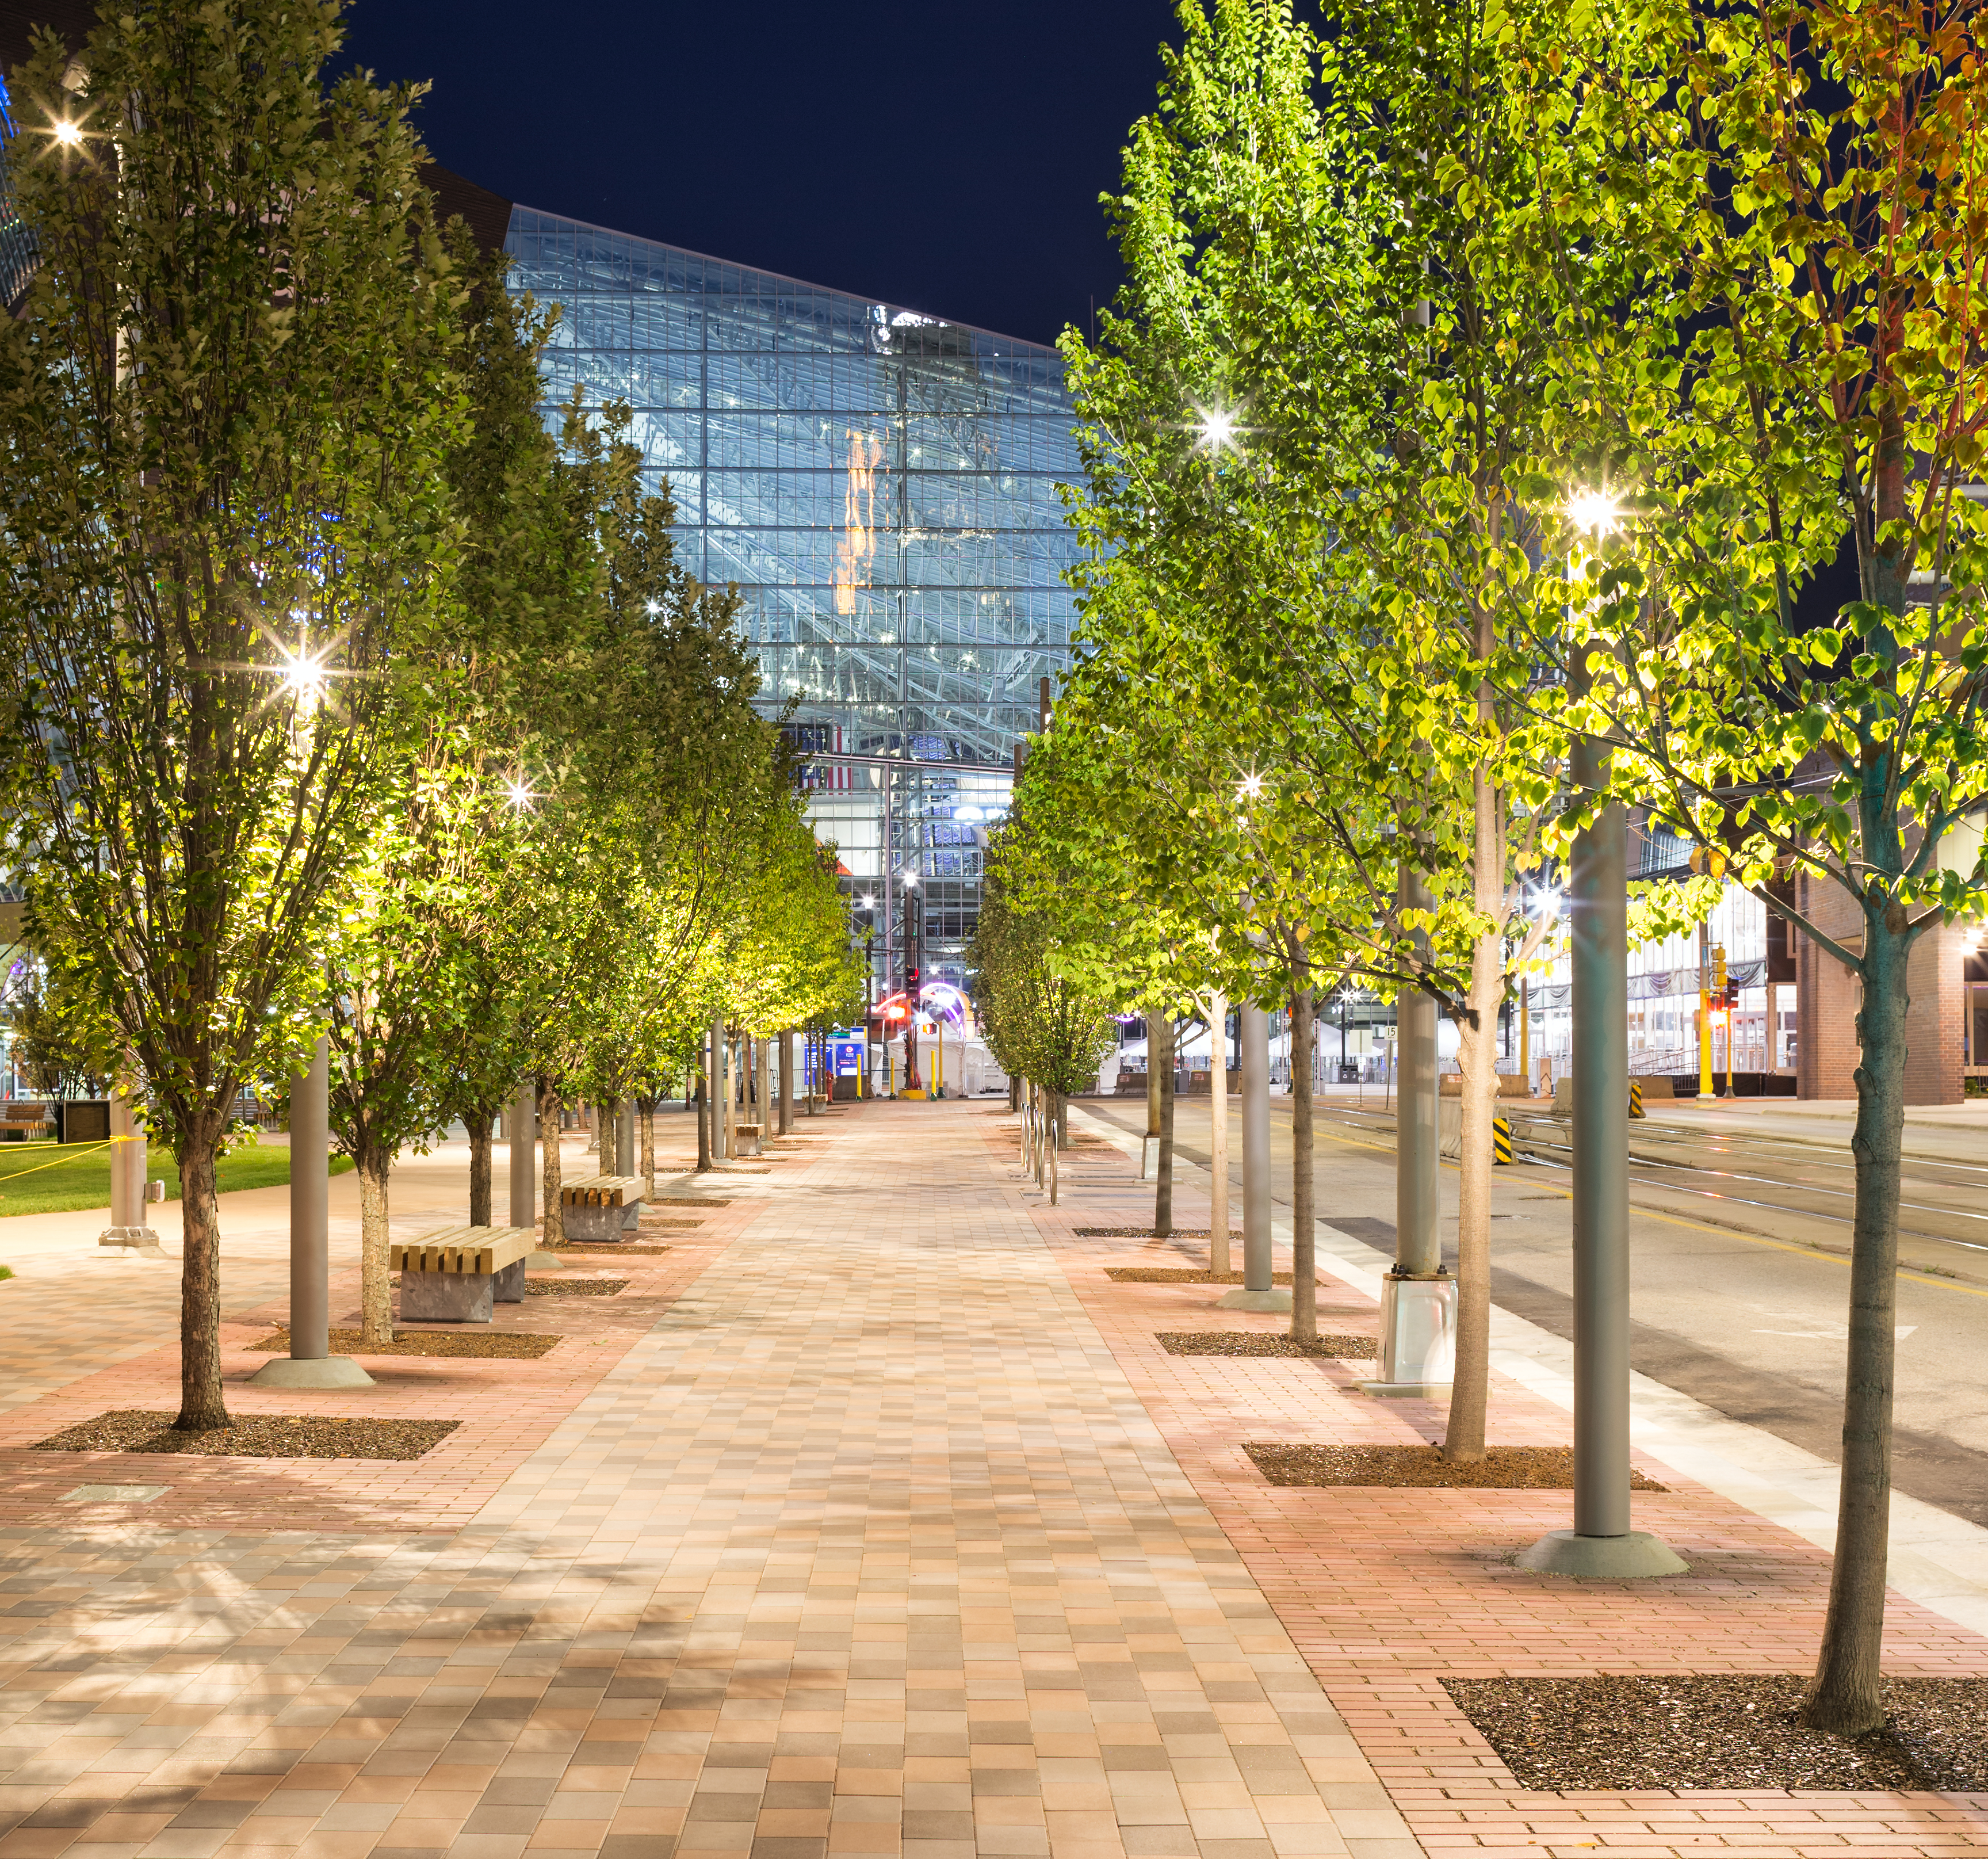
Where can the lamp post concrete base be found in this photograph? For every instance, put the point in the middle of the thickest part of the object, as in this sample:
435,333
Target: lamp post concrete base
326,1372
1418,1352
133,1239
1628,1557
1242,1298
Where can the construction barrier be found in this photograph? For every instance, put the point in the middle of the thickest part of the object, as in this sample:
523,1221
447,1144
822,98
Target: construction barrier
1636,1098
1501,1141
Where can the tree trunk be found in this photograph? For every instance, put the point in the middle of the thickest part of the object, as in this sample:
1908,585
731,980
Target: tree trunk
787,1082
1477,1060
703,1124
1159,1058
477,1121
1152,1083
376,1295
911,1053
548,1121
1845,1698
201,1406
646,1115
1304,1228
1014,1097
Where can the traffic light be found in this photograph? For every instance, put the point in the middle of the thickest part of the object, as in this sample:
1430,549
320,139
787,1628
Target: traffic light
911,984
1719,984
1731,995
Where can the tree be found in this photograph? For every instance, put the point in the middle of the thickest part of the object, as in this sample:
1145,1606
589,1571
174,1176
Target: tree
1045,1019
224,418
1789,196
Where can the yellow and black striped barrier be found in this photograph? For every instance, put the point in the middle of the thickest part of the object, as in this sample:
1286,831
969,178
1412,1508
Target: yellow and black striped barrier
1501,1142
1636,1098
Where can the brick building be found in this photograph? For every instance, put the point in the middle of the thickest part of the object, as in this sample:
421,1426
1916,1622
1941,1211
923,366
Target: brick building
1946,1025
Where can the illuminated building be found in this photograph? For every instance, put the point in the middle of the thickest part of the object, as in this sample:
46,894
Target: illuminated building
881,487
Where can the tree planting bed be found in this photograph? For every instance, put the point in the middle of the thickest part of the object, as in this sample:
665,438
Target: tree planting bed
254,1436
1502,1468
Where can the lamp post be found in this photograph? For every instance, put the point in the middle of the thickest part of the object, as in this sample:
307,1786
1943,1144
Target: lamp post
310,1363
1417,1349
1257,1291
1601,1543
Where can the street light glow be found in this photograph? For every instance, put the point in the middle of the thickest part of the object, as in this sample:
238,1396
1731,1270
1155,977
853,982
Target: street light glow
519,794
1595,511
910,880
1253,786
1218,429
68,134
304,676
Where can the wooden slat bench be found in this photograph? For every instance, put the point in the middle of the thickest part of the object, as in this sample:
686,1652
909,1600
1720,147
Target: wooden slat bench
595,1208
453,1274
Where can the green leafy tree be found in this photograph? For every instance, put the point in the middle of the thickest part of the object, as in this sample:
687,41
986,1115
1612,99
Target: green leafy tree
225,413
1795,190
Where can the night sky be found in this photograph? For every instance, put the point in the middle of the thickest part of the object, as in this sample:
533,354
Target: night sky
943,158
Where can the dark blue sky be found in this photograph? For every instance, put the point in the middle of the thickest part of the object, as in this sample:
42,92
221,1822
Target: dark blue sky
942,158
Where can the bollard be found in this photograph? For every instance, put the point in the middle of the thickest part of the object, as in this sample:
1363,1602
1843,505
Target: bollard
1636,1098
1501,1142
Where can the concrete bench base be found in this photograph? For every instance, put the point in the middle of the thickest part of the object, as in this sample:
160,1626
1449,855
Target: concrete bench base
440,1281
601,1210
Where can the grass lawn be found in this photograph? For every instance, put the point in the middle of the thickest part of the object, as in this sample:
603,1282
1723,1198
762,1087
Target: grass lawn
83,1179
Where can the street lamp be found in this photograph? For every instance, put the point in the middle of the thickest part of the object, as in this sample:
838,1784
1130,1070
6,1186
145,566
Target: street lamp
1601,1543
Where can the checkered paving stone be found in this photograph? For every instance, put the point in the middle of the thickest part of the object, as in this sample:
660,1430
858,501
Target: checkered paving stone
860,1544
1384,1591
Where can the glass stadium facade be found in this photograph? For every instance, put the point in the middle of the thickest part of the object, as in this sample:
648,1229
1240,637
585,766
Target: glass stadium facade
882,488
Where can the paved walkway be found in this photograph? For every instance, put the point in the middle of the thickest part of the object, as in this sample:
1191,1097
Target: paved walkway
869,1520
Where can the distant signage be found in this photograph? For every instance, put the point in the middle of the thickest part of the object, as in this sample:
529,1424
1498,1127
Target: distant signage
846,1056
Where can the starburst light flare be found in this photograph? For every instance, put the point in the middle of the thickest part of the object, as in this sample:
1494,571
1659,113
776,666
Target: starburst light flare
1218,429
1595,511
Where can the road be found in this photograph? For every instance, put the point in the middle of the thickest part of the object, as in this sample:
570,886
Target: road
1739,1244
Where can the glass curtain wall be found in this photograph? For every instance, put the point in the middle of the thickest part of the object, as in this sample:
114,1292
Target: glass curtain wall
882,488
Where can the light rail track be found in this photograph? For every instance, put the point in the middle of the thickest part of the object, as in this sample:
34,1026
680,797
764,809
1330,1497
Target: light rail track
1774,1174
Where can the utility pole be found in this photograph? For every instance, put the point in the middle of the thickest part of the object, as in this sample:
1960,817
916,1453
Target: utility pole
310,1363
1418,1351
1218,1133
1257,1291
1601,1543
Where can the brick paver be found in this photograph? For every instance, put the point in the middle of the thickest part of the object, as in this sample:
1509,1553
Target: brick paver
870,1520
864,1546
1385,1591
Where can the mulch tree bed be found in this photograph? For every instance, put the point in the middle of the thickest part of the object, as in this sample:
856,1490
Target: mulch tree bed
254,1436
1235,1233
1181,1274
1724,1730
1261,1343
573,1287
609,1249
666,1200
1396,1468
508,1344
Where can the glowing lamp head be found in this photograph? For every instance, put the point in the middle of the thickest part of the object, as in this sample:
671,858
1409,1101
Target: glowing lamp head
519,794
1596,513
910,881
1216,428
68,134
302,675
